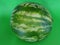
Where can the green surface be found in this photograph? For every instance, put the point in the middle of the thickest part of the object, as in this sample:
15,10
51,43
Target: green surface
7,37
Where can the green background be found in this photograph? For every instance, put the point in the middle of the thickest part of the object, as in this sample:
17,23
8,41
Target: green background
7,37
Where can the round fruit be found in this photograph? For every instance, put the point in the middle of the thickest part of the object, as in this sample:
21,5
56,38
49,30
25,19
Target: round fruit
31,22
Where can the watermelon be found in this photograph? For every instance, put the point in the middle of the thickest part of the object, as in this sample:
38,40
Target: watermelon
31,22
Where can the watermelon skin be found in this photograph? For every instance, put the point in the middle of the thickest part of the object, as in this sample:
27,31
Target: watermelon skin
31,22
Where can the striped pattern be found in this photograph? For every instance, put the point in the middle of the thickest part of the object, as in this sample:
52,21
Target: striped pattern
31,22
